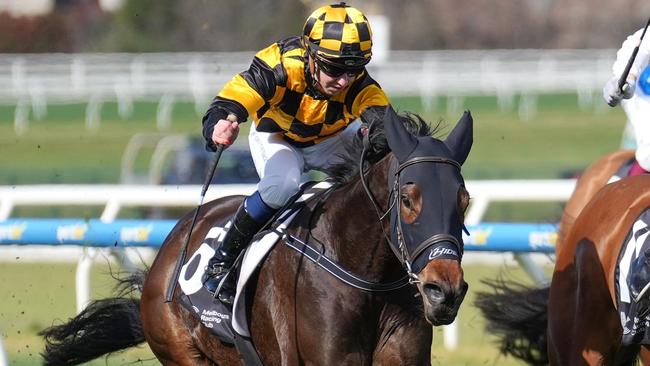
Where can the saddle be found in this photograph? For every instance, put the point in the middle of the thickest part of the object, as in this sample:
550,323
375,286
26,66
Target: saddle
231,325
633,282
622,171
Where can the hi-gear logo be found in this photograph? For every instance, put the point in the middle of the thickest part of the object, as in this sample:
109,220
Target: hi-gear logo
442,251
75,232
12,232
137,234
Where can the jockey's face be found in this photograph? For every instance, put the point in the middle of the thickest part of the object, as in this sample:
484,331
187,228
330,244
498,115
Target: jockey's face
328,84
333,85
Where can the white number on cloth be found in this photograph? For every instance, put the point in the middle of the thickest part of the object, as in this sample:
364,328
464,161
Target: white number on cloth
192,271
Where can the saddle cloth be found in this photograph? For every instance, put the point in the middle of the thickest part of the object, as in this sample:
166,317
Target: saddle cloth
636,243
211,312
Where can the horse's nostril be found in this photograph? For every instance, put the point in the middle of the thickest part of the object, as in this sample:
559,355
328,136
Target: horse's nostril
464,288
434,292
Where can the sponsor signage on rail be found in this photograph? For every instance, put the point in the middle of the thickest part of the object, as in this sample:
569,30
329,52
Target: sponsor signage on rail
120,233
489,237
511,237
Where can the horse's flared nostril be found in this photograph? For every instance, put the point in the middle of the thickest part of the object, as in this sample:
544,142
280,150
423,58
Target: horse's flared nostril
434,292
463,288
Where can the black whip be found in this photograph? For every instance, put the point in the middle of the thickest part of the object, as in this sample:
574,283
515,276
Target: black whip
626,72
171,288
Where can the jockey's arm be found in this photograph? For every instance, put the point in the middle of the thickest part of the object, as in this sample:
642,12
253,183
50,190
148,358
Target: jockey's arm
625,52
242,96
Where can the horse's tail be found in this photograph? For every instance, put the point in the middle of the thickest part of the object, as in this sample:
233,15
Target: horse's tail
104,326
517,314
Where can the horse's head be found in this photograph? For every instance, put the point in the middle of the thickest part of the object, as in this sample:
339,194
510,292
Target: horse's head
428,202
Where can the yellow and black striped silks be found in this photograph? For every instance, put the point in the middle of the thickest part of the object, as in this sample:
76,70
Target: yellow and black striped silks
276,92
338,30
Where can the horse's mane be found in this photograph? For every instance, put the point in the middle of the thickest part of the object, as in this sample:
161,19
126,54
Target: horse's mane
378,147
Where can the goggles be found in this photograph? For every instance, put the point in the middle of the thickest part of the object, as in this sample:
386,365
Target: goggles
336,71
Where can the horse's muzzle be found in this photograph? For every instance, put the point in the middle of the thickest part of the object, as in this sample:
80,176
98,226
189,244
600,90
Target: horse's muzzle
442,301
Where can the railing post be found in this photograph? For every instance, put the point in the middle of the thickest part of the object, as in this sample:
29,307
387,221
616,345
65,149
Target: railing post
21,117
82,277
533,270
3,355
164,112
94,113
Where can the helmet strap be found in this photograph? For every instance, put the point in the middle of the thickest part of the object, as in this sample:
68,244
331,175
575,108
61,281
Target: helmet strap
315,75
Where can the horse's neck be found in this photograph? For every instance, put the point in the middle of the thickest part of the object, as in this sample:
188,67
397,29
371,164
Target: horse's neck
358,241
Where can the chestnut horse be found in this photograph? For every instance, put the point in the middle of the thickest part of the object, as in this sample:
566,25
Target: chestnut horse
575,320
301,315
592,179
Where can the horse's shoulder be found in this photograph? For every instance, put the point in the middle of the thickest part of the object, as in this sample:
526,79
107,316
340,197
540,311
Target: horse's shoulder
611,212
223,206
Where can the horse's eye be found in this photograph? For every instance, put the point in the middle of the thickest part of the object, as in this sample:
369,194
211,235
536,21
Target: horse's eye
406,201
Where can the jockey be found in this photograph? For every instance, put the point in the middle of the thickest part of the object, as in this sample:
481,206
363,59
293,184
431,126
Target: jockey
304,95
635,97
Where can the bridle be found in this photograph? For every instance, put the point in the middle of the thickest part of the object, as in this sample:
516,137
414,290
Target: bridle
401,252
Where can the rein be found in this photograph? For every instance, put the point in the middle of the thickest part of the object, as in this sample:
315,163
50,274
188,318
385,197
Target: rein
393,197
400,250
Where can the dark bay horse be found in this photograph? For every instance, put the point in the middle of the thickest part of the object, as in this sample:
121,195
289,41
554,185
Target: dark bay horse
592,179
301,315
575,320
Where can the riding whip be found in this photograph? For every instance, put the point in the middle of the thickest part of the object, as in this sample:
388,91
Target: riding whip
171,287
626,72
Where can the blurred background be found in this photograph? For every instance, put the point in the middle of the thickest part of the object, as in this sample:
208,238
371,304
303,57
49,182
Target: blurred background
111,92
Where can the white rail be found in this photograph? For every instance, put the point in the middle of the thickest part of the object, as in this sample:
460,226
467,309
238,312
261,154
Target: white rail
65,78
114,197
31,82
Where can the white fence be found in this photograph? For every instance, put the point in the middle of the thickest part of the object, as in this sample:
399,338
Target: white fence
31,82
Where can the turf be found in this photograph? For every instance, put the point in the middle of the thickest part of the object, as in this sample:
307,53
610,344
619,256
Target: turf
38,295
557,140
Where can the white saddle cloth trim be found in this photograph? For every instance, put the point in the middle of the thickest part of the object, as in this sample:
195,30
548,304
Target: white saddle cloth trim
614,178
254,255
632,251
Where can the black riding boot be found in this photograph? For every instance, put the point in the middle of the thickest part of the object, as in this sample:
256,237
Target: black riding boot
241,231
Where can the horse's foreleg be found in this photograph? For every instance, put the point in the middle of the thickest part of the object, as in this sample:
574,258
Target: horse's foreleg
409,344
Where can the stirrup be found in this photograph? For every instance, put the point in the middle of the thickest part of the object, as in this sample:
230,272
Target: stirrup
219,293
213,274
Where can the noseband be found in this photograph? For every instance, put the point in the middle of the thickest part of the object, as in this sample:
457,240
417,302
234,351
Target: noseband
436,240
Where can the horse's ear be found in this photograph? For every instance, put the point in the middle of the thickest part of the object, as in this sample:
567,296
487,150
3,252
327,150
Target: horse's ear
400,140
461,138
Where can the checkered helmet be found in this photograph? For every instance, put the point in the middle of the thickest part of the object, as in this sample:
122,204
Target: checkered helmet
339,34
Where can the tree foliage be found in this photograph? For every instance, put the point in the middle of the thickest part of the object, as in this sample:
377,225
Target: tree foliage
226,25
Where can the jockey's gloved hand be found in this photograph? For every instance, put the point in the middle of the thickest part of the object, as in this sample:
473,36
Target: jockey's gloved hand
613,94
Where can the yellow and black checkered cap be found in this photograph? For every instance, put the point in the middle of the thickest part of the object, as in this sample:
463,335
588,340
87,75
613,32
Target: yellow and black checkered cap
339,31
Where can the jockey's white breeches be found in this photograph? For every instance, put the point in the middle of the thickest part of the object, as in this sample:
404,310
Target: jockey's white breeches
637,109
280,165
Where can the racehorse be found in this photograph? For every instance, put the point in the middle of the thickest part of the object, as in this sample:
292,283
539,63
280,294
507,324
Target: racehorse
301,315
575,320
591,180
